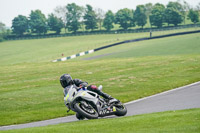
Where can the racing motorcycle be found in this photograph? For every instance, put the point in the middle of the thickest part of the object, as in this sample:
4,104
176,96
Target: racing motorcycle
90,105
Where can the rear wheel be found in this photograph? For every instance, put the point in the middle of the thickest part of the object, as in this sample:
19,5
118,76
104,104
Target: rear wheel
86,110
120,109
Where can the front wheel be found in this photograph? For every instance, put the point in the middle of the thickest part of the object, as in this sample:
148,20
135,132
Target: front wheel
80,117
121,109
86,110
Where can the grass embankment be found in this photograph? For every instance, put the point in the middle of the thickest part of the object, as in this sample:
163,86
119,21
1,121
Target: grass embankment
177,45
185,121
31,91
46,50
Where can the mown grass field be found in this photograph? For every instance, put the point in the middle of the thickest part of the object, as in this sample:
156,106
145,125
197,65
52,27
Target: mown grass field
185,121
177,45
46,50
29,85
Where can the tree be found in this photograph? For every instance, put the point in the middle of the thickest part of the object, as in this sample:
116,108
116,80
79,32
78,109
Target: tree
55,24
124,17
174,13
2,27
90,18
140,16
20,24
60,12
4,32
173,16
100,16
1,37
74,13
157,15
186,8
182,6
198,7
193,16
38,22
175,5
109,20
148,8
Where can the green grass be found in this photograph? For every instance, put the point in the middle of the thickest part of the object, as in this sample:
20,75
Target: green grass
177,45
30,89
46,50
184,121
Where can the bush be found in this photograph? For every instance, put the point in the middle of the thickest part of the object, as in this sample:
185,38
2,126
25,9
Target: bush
1,38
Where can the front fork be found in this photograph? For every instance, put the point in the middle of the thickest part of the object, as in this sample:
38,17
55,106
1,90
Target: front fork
67,105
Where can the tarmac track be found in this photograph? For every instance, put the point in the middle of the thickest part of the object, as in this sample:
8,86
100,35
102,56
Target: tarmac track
185,97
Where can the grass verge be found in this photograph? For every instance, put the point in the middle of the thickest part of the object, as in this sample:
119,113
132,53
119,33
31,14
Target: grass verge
46,50
184,121
177,45
31,92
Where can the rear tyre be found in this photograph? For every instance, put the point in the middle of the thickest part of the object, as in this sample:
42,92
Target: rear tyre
89,112
121,109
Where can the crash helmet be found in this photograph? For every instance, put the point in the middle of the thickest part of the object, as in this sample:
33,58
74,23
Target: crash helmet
66,80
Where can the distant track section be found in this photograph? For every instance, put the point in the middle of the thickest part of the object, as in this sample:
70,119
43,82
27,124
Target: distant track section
147,38
127,41
74,56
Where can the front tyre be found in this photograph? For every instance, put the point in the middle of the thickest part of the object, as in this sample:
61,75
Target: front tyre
86,111
80,117
121,109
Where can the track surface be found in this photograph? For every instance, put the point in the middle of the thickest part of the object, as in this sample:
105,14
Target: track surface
185,97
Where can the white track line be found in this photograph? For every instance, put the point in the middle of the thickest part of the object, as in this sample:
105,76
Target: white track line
165,92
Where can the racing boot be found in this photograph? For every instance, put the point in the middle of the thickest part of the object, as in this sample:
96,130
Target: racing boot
109,98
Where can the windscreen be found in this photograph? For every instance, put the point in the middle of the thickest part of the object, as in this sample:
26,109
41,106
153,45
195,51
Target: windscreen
66,90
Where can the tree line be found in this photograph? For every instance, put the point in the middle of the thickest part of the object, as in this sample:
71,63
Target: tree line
73,17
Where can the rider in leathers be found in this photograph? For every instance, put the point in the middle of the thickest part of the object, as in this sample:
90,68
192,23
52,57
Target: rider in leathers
66,80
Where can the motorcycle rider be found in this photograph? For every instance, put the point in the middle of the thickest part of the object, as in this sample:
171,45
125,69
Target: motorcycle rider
66,80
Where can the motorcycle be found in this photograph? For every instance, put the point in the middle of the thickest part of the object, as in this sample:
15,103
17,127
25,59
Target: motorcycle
90,105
